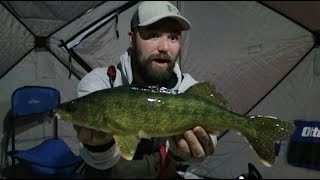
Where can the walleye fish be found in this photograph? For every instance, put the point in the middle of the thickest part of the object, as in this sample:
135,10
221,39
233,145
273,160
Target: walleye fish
130,113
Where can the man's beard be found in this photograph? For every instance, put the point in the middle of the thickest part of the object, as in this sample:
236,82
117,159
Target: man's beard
143,67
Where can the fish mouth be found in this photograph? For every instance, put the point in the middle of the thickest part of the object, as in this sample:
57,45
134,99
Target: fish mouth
57,114
61,115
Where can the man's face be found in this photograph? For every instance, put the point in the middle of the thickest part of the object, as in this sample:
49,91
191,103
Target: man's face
155,50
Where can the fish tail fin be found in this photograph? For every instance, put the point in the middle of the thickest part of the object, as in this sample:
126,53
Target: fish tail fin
264,132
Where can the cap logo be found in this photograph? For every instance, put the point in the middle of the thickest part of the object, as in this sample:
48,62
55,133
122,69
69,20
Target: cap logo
170,8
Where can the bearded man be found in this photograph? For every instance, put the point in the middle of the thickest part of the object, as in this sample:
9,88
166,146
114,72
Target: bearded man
151,60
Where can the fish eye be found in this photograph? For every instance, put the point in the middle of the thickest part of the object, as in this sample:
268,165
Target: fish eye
70,107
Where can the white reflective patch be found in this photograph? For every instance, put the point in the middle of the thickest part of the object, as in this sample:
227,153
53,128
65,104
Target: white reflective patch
239,133
151,99
271,117
251,147
266,163
155,89
261,116
154,100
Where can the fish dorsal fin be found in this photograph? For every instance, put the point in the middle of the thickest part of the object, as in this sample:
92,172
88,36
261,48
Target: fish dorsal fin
205,90
127,145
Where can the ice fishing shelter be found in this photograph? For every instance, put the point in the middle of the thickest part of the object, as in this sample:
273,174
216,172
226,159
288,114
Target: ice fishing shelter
262,56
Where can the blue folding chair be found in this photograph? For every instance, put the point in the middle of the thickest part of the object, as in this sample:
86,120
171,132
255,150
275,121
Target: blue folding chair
52,157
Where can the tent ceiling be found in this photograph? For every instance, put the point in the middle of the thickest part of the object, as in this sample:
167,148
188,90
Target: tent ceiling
53,15
303,12
45,17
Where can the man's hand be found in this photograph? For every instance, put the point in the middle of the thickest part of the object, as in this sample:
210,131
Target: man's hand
194,144
91,136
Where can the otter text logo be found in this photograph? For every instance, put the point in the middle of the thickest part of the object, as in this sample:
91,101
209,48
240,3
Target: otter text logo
310,132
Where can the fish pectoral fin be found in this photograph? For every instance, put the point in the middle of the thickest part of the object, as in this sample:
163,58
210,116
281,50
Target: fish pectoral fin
127,145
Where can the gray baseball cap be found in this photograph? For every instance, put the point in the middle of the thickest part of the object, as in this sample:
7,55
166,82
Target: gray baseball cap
150,12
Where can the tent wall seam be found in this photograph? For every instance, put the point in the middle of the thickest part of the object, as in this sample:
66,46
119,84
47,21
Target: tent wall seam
283,15
73,54
303,57
74,19
64,64
17,18
5,73
119,9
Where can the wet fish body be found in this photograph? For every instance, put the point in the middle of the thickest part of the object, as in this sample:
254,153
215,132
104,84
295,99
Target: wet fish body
131,113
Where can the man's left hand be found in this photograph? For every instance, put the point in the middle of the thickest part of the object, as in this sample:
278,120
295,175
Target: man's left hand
194,144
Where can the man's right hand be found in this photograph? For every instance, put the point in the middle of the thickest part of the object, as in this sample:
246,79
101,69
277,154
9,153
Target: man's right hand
91,136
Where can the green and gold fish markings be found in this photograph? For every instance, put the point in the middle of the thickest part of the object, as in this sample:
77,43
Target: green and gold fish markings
131,113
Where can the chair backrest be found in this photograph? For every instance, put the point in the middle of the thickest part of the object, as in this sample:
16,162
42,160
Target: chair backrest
29,106
30,100
52,156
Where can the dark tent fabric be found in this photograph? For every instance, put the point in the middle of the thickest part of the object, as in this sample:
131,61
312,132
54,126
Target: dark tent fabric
263,57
